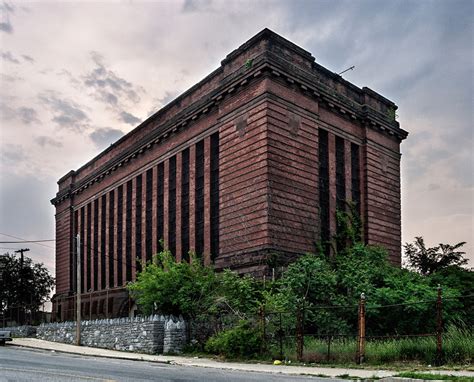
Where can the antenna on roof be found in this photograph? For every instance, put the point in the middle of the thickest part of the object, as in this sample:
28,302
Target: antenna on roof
351,68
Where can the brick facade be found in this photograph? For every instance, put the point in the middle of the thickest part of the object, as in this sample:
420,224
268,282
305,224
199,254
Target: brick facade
246,169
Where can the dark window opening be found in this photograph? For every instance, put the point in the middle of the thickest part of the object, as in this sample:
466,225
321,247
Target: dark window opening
83,247
103,226
138,224
185,205
172,206
355,176
324,189
128,233
340,175
149,214
199,198
88,246
111,239
119,235
160,205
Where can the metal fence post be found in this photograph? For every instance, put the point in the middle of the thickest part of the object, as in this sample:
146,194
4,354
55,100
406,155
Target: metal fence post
361,331
439,327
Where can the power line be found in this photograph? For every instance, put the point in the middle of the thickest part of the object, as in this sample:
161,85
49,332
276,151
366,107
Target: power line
25,240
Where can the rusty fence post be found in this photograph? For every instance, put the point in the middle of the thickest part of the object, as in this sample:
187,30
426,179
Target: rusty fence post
361,331
439,327
299,334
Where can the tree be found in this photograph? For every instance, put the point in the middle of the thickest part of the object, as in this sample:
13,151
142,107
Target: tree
430,260
24,286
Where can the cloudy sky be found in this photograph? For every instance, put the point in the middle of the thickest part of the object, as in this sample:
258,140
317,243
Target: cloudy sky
75,76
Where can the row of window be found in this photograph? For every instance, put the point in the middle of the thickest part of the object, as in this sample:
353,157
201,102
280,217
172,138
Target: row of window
116,255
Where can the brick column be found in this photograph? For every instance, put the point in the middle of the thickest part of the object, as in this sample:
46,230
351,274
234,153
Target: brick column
332,182
85,245
92,246
99,247
116,243
192,195
165,203
143,258
107,254
154,245
133,230
124,235
179,161
207,201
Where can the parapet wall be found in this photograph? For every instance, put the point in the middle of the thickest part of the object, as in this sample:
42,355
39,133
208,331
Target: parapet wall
152,335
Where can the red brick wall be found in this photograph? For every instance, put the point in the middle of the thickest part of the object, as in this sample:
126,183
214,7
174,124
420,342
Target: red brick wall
64,235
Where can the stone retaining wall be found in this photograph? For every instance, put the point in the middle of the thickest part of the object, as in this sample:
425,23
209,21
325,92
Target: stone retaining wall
21,331
153,334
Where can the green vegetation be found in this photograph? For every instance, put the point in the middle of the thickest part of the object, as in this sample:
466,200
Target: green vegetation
437,377
243,340
324,291
458,345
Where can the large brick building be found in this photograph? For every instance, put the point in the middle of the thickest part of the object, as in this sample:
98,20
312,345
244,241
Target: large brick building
246,168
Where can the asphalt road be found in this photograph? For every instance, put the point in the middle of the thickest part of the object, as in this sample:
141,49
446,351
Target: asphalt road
21,364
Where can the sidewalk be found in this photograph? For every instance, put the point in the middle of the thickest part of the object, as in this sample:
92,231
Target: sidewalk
211,363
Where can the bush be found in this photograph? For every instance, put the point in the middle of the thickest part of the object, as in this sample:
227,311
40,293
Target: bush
242,341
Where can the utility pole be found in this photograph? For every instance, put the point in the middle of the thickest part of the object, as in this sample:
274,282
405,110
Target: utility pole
78,290
22,261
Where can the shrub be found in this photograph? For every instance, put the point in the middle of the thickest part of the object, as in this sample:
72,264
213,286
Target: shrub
243,340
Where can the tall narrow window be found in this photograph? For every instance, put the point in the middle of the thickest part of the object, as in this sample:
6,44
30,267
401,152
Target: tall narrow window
172,206
103,226
214,195
96,244
340,187
83,246
138,224
119,236
185,205
324,188
111,228
355,179
88,247
160,203
128,233
149,214
340,175
199,198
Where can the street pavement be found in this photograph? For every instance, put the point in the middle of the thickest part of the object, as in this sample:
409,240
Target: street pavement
92,363
23,364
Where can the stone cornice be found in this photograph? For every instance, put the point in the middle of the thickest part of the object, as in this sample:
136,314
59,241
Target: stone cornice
267,63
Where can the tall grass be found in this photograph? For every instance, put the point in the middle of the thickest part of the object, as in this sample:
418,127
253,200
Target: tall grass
458,348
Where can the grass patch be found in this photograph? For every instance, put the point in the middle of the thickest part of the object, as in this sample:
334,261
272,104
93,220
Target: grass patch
439,377
458,349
